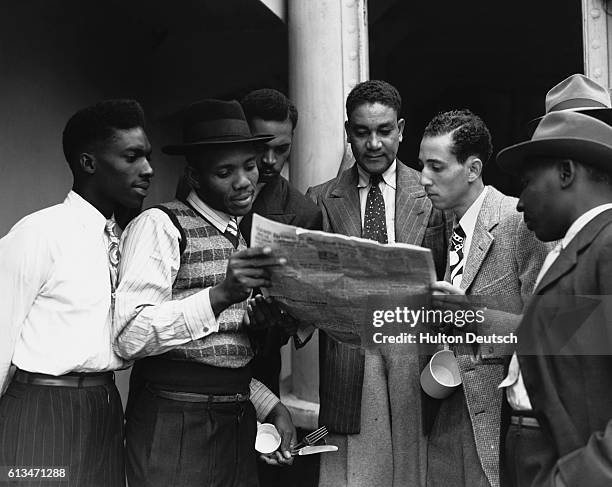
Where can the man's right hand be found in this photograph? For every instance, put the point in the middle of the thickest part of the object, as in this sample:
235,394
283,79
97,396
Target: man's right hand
246,269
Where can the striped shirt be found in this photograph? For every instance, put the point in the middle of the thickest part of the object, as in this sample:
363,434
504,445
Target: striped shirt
148,321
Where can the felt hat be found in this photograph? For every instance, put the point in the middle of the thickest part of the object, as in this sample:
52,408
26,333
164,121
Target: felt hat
214,122
577,93
564,134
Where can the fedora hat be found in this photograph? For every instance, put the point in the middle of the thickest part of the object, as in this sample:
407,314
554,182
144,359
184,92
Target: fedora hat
577,93
209,122
565,134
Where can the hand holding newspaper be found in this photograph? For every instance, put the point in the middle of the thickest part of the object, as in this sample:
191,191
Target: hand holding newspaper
331,281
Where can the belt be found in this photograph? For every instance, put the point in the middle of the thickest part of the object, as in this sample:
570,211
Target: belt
527,421
197,397
72,379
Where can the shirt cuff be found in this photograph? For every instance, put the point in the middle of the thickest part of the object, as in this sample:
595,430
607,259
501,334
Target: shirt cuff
198,314
263,400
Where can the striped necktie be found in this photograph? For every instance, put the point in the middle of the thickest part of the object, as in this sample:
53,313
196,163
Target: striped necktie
455,256
112,231
231,232
375,221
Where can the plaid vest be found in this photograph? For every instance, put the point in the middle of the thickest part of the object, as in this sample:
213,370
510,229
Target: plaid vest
204,255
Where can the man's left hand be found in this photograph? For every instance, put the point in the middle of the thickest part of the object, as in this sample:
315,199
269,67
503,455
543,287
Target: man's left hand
263,312
281,418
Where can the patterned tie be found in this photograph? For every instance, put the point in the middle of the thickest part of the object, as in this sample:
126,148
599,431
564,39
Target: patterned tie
374,222
112,231
455,255
231,232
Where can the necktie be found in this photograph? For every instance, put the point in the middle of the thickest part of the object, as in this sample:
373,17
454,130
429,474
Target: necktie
112,231
455,255
231,232
374,221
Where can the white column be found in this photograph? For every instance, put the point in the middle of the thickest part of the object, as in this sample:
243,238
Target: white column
328,55
595,41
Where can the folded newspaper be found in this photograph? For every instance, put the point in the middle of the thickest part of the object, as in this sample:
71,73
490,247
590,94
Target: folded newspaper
331,281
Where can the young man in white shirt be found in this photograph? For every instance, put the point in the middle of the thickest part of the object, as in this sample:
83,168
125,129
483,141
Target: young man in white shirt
186,276
61,410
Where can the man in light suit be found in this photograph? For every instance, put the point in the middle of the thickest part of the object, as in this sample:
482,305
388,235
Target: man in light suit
371,402
492,254
561,380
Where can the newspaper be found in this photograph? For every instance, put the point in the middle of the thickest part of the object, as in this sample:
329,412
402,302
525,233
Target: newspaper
330,280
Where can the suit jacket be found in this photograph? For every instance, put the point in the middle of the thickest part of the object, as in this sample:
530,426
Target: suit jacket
279,201
416,222
564,348
501,269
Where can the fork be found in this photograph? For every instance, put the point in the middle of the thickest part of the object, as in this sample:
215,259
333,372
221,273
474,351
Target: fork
311,438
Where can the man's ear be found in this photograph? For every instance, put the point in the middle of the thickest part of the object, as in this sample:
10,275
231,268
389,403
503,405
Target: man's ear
87,162
400,127
567,172
475,166
347,129
192,177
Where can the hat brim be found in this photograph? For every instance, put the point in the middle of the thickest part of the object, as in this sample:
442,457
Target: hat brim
512,159
600,113
181,149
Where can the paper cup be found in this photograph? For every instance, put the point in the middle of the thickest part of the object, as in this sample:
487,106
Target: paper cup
268,439
441,376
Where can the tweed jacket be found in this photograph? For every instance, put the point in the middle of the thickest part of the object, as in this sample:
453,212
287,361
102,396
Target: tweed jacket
502,266
564,355
416,222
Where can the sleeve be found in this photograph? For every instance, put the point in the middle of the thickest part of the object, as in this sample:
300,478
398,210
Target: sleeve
263,400
147,320
25,263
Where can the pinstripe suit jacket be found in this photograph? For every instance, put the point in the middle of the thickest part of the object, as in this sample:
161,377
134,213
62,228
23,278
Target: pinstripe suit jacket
416,222
502,266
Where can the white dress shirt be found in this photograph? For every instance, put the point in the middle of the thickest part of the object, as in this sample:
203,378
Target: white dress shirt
387,188
516,392
56,292
468,222
148,321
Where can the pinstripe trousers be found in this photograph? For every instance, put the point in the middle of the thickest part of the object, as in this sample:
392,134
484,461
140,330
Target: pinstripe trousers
80,429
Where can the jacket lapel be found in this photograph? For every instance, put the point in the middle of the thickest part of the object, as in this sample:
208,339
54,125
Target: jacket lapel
569,256
343,205
412,208
482,239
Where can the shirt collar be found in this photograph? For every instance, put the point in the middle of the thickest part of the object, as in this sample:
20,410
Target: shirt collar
219,219
468,220
89,215
581,222
388,176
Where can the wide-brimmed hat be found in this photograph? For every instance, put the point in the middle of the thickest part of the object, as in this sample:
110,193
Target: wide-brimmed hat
564,134
208,122
577,93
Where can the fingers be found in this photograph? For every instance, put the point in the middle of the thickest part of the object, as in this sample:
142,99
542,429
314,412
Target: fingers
288,438
258,257
445,288
270,459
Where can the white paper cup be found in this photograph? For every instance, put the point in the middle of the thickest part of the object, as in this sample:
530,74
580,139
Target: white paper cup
268,439
441,376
